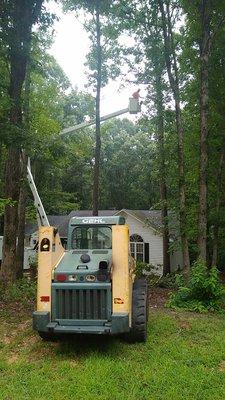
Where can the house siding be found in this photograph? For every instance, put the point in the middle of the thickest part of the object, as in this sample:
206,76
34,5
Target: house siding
155,240
149,235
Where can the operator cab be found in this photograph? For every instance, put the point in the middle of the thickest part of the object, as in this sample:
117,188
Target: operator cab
88,257
92,233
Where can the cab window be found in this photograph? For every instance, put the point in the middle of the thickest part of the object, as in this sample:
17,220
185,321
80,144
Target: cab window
91,237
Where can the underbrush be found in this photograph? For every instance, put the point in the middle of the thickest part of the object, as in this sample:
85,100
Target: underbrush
141,268
168,281
22,291
202,293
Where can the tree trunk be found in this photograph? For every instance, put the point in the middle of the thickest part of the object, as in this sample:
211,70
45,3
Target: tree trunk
12,178
162,173
22,16
23,193
21,220
2,166
98,126
182,189
204,105
172,70
218,202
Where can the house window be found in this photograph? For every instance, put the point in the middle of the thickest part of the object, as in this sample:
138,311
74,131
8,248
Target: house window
137,247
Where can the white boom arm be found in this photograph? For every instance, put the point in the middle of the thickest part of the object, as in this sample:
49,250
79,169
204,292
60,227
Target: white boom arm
71,129
134,108
42,217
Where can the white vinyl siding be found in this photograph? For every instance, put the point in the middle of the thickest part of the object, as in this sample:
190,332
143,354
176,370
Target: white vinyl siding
149,236
155,241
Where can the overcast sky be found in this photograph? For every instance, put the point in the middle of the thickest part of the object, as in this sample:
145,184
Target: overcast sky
70,48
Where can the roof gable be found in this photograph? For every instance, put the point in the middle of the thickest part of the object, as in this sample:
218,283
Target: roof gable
149,218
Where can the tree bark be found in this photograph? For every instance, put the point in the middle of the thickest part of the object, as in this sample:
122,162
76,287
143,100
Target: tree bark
21,15
23,192
218,202
204,105
162,173
21,220
98,125
2,166
172,70
12,177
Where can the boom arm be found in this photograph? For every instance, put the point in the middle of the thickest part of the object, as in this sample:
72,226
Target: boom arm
71,129
133,108
42,217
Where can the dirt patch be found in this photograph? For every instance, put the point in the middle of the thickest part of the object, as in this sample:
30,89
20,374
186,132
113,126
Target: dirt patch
24,325
73,363
13,358
13,330
158,297
222,276
29,342
222,366
7,339
37,350
184,325
16,310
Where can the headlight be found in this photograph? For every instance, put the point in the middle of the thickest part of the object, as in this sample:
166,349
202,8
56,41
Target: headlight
72,278
90,278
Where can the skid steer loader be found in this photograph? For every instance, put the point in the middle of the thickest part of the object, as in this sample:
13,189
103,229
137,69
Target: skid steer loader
90,288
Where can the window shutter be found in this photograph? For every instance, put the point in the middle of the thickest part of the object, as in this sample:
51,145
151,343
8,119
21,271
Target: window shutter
147,253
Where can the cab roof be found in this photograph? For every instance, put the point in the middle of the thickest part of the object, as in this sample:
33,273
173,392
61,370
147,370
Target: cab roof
113,220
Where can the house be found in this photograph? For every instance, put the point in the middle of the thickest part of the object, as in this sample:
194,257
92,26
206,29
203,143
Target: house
146,238
145,229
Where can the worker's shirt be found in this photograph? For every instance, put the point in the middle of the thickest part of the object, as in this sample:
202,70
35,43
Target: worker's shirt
136,95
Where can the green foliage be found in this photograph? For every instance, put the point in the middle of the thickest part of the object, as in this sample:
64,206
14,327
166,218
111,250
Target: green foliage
2,206
203,292
147,270
170,281
5,202
141,269
59,203
128,179
31,212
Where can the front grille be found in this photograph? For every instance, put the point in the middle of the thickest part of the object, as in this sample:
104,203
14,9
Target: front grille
83,304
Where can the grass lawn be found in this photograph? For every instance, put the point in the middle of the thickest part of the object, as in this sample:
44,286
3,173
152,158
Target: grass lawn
184,358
